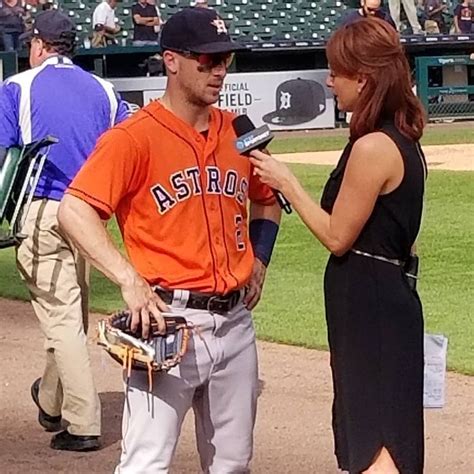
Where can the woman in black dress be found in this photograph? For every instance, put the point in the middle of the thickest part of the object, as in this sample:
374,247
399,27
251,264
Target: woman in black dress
368,219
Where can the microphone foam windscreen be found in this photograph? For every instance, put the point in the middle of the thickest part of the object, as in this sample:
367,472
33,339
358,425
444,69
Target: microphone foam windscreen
242,125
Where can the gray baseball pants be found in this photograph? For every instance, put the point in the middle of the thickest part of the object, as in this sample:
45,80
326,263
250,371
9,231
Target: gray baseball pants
218,378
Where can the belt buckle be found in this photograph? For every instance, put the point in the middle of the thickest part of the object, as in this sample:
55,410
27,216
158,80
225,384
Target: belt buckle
229,302
209,303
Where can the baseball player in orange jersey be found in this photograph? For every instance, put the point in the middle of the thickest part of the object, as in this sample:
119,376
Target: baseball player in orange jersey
180,190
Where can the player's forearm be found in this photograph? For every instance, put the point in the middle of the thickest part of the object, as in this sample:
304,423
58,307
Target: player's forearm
83,226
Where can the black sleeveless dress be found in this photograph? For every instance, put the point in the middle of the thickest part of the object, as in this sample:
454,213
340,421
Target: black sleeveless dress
375,326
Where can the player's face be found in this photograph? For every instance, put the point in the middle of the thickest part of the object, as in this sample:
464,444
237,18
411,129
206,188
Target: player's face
345,90
201,76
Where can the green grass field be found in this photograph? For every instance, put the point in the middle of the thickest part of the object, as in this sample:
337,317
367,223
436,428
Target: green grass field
436,135
292,307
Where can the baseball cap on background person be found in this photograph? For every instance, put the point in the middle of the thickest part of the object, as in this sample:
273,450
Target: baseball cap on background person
199,31
51,25
297,101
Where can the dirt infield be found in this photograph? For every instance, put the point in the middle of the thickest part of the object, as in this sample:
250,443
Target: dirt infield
293,432
443,157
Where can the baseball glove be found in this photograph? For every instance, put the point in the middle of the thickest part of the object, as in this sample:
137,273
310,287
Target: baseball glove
157,353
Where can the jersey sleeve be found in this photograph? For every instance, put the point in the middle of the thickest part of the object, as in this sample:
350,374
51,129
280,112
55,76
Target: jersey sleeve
123,111
9,119
110,173
260,193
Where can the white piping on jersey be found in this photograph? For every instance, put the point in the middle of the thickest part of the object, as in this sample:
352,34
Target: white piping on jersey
109,90
25,80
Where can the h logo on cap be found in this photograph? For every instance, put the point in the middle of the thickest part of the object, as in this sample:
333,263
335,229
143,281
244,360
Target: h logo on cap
220,26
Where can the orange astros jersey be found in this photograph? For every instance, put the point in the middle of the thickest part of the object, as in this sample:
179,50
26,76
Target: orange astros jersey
180,198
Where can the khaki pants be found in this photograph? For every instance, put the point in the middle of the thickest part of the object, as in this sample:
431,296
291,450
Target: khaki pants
410,11
57,278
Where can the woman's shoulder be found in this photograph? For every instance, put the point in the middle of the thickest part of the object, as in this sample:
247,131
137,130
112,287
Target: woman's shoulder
376,145
375,154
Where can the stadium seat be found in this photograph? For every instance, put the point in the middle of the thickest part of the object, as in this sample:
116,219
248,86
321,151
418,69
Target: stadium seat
257,20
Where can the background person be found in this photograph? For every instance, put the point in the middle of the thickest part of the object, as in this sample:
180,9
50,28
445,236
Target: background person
463,17
145,19
56,276
410,11
11,23
105,24
202,4
368,8
157,27
434,23
369,218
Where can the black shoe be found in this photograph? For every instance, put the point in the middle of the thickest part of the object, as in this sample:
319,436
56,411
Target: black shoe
69,442
48,422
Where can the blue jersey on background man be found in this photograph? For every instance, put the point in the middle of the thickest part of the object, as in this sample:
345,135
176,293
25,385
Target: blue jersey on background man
60,99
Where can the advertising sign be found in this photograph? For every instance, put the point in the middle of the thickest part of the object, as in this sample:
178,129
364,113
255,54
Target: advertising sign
289,100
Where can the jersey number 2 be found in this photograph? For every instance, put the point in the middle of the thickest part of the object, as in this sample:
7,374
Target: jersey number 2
238,233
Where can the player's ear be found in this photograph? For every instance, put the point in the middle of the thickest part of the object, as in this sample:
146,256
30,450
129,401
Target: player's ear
170,60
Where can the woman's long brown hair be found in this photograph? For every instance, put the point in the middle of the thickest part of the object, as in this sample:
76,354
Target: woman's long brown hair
371,49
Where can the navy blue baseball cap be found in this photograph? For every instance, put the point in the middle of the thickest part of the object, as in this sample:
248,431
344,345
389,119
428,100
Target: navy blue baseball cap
298,101
51,25
197,30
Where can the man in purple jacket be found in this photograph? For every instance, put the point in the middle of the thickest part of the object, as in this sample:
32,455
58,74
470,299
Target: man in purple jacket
58,98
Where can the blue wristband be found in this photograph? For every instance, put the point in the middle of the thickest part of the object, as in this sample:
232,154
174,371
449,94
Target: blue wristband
263,234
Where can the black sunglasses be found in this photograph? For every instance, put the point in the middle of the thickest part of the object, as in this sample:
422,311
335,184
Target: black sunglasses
209,60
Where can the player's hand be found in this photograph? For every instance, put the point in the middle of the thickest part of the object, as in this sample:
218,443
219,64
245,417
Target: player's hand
144,303
272,172
255,284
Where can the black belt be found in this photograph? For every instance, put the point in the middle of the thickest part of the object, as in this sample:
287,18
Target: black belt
213,303
393,261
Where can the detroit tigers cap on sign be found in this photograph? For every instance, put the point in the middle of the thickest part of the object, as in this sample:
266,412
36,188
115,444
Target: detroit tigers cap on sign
51,25
197,30
297,101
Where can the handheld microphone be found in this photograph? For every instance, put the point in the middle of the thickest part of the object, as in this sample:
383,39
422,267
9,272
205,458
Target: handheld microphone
250,138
